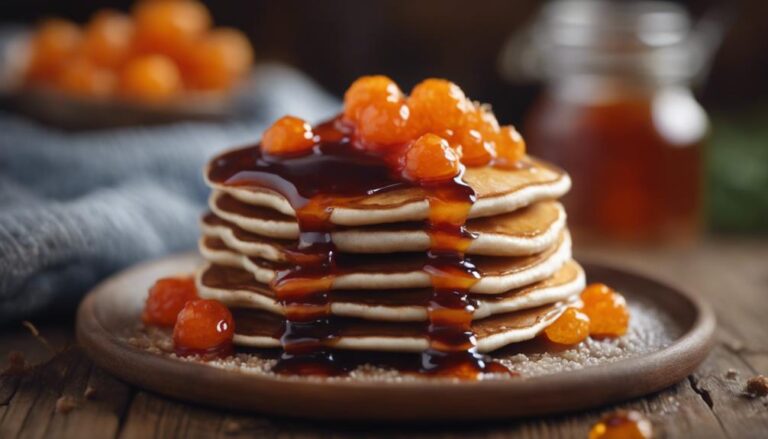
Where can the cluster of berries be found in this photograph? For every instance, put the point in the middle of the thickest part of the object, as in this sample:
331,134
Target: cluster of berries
199,325
163,48
604,313
441,126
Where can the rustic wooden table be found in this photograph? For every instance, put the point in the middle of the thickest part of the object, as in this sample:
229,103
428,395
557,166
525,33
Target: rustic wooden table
64,395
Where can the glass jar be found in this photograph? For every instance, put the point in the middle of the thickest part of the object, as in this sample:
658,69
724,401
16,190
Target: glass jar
618,113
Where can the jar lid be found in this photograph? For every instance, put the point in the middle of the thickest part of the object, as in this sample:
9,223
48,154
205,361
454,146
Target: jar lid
640,39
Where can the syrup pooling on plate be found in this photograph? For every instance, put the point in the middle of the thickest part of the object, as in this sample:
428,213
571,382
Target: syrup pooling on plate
375,146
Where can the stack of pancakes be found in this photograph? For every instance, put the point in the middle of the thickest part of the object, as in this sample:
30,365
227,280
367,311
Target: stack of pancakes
379,297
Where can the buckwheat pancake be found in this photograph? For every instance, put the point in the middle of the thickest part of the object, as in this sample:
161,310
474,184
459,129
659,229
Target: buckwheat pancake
405,270
237,288
262,329
384,240
498,191
245,228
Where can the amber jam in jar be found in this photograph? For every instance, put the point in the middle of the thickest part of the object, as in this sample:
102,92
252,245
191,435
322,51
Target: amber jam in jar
617,112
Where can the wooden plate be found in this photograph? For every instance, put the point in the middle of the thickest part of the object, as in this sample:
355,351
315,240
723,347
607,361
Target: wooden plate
111,310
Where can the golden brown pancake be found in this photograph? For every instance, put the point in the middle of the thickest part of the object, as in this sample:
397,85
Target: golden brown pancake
260,231
498,191
263,329
237,288
405,270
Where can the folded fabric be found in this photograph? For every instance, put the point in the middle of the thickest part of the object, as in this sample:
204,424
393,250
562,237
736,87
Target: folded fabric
77,206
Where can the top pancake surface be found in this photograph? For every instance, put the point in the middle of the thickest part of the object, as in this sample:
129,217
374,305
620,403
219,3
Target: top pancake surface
368,194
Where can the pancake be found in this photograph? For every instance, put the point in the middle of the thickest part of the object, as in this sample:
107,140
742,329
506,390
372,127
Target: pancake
237,288
262,329
498,191
245,228
368,270
405,270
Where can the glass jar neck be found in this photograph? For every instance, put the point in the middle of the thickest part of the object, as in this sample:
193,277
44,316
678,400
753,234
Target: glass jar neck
595,88
635,46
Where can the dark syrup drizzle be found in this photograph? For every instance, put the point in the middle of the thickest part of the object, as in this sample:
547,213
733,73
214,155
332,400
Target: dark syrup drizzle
453,345
335,172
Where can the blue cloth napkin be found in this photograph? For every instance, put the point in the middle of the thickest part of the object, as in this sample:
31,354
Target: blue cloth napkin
77,206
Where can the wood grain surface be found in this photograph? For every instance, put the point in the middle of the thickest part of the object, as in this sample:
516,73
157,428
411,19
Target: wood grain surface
65,395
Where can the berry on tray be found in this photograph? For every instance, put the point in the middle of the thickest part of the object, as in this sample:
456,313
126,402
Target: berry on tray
203,327
572,327
162,51
150,78
607,311
166,299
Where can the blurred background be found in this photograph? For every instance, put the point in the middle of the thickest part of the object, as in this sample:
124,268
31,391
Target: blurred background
474,44
659,110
